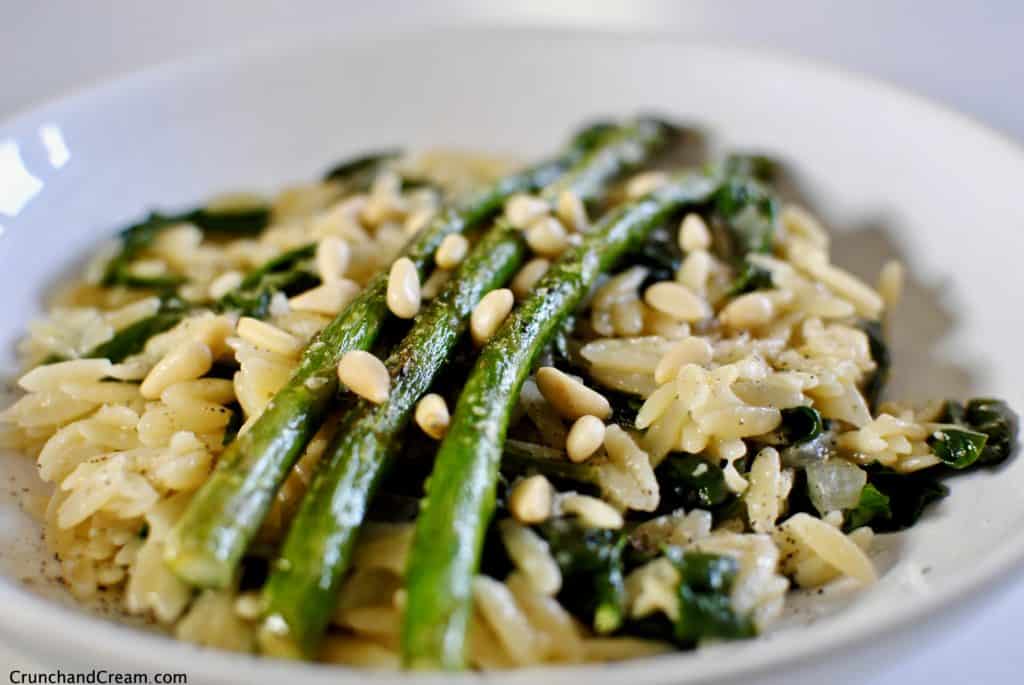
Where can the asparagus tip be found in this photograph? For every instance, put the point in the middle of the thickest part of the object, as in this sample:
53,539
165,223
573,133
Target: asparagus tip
607,619
275,639
196,568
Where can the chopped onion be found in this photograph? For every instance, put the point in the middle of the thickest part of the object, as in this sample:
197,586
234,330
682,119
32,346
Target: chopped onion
813,451
835,485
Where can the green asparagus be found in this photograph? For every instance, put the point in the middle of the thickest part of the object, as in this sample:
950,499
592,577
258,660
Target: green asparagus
460,494
300,594
132,338
287,273
207,543
138,237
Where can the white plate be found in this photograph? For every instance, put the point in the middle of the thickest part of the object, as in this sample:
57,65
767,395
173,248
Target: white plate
892,176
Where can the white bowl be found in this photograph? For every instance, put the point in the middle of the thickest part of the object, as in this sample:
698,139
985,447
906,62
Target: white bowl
892,175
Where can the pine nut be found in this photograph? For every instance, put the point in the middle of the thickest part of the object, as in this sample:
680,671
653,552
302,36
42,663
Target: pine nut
489,313
432,415
690,350
695,271
267,337
452,251
365,375
531,499
528,276
694,234
592,512
435,282
328,298
332,258
183,363
224,284
677,301
645,183
748,311
521,210
547,237
404,289
585,437
571,211
569,397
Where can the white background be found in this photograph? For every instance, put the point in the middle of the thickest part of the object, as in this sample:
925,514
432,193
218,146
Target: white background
967,55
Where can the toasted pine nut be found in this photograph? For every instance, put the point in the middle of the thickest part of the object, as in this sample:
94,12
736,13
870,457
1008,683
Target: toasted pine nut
521,210
489,313
528,276
530,500
365,375
571,211
547,237
183,363
432,415
268,337
644,183
404,289
748,311
676,300
431,287
694,234
585,437
695,270
327,298
332,257
452,251
690,350
569,397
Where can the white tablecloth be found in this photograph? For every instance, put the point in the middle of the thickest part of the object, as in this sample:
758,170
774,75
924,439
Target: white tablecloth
967,55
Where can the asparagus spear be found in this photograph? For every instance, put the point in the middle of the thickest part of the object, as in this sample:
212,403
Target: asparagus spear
136,238
359,172
208,541
300,594
461,490
353,175
289,273
132,338
285,273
